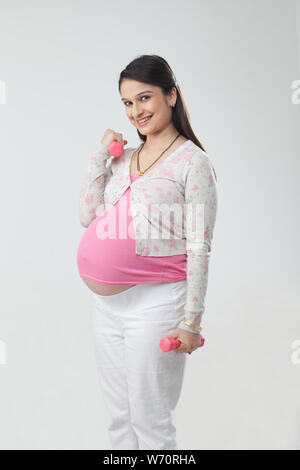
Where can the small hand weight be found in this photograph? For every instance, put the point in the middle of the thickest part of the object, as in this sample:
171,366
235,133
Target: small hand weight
116,149
169,343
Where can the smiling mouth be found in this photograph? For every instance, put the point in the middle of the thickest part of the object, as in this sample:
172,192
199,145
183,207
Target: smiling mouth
145,122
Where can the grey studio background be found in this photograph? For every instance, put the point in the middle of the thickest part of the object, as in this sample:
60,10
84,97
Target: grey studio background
236,63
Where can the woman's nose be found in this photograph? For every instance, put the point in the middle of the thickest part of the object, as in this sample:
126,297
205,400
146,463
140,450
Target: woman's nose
137,112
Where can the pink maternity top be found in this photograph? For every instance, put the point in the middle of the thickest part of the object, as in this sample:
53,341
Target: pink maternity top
113,260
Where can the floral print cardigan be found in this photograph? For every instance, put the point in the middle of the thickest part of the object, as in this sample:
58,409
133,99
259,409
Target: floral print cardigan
183,184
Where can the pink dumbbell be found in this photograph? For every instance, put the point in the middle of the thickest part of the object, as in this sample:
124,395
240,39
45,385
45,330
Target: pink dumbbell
116,149
169,343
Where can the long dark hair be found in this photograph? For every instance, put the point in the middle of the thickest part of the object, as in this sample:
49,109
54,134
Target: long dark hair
155,70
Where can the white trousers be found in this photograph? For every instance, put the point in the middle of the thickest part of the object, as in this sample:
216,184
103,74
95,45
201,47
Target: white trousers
141,384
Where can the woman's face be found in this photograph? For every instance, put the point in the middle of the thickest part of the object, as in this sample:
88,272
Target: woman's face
142,100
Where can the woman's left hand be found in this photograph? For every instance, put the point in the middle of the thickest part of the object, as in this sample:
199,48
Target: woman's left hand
189,341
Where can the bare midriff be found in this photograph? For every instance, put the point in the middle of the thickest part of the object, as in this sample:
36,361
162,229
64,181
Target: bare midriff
107,289
104,289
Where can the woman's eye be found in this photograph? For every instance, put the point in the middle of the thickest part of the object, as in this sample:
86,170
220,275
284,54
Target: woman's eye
144,96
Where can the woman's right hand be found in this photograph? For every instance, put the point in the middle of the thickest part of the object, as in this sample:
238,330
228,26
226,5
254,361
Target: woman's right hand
112,136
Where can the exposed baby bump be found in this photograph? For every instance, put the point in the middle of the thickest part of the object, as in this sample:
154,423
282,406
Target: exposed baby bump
103,289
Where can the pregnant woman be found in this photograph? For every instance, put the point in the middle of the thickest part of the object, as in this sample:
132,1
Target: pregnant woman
150,216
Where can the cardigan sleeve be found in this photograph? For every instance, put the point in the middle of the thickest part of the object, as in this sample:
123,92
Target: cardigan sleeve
200,217
91,199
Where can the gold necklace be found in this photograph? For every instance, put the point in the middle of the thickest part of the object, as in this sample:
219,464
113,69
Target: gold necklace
141,172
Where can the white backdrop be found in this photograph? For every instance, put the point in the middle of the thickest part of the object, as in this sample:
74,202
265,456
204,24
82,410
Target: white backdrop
235,62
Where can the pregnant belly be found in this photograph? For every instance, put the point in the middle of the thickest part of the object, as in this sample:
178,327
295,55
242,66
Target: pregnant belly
103,289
